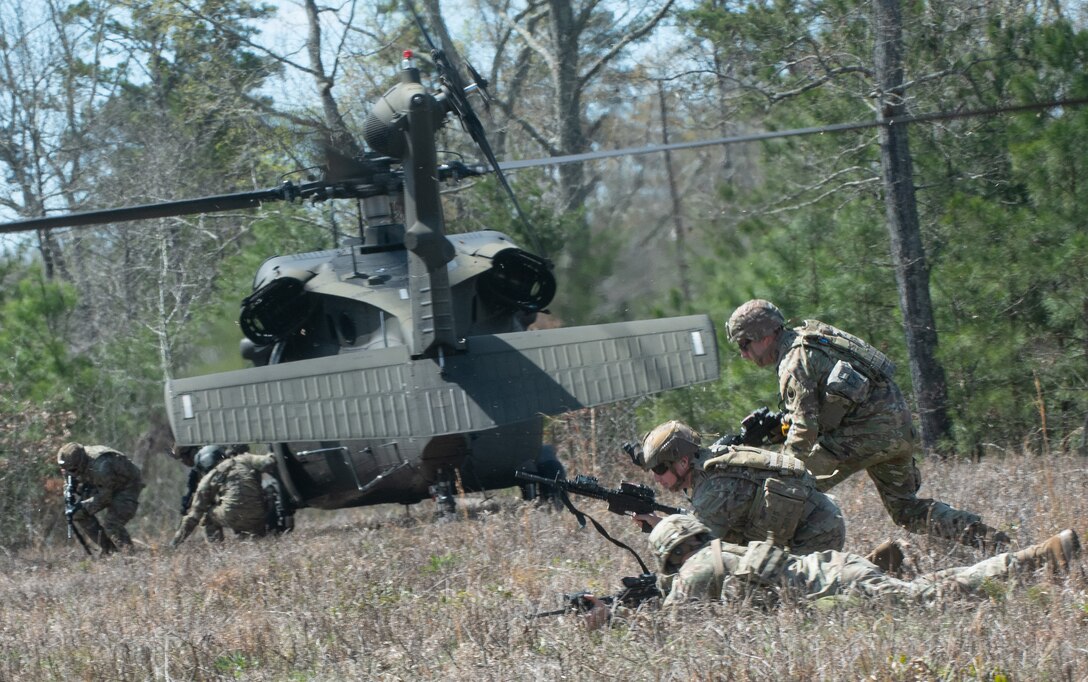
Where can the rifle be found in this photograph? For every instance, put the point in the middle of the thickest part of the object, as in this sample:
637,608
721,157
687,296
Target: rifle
72,504
636,589
71,500
761,427
629,498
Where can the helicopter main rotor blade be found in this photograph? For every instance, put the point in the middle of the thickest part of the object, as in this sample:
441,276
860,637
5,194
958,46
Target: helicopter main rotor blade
320,190
795,132
166,209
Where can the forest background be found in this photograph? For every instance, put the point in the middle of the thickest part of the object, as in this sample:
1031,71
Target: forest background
975,280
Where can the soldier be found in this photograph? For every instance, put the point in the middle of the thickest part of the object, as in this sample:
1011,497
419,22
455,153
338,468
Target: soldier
693,566
110,482
232,495
846,414
743,493
204,461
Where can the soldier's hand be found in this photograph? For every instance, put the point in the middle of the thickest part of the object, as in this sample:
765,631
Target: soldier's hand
644,520
71,510
598,614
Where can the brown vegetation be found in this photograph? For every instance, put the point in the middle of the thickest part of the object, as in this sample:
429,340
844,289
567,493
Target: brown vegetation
386,594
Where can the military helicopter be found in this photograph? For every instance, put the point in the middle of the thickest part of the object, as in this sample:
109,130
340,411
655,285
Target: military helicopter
391,367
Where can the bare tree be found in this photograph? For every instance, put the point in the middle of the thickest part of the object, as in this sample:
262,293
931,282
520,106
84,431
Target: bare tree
50,91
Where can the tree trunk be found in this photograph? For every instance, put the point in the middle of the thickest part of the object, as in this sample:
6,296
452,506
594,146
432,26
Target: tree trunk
674,195
908,254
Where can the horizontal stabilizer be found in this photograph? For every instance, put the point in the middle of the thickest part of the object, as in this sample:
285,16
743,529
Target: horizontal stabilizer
499,379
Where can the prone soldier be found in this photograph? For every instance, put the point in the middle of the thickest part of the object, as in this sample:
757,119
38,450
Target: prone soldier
109,482
695,567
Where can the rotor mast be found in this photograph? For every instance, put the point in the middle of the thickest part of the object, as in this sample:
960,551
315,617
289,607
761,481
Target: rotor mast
403,124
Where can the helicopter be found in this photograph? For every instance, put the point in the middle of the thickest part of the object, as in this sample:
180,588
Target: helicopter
399,364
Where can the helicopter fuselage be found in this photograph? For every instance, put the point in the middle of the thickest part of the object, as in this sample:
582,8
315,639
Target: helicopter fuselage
354,299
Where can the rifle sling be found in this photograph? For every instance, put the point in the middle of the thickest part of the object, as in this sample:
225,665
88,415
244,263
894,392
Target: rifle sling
582,516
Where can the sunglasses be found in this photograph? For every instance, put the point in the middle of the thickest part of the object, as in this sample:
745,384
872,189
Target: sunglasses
660,469
743,344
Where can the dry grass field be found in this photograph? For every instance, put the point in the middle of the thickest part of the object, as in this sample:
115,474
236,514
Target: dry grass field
390,594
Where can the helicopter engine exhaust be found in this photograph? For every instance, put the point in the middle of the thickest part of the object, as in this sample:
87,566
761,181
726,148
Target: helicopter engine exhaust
518,279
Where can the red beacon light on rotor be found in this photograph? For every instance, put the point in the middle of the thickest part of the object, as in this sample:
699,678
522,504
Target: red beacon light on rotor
407,62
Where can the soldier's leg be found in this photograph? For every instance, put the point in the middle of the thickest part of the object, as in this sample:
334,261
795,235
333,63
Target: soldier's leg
92,530
122,509
898,481
213,527
840,575
1055,553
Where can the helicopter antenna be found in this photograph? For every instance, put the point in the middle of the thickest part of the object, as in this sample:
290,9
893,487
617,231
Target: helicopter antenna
455,90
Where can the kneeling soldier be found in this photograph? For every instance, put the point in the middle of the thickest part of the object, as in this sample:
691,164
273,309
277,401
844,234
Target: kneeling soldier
744,494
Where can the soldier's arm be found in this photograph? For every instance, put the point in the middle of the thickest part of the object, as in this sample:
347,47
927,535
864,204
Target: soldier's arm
799,389
99,479
203,499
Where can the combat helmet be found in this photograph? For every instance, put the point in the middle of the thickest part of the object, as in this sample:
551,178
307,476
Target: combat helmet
667,443
208,456
754,320
72,457
668,536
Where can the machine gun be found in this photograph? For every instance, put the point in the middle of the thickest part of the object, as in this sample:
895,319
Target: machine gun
629,498
761,427
636,589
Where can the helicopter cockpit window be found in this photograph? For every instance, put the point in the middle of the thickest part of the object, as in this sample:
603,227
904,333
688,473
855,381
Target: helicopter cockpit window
518,279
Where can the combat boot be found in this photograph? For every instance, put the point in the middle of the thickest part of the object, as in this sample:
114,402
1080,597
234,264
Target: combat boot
986,538
888,557
1055,552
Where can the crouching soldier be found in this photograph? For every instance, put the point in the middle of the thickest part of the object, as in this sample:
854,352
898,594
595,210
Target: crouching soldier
233,495
108,482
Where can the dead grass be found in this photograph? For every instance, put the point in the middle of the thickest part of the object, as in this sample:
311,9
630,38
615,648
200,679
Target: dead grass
376,594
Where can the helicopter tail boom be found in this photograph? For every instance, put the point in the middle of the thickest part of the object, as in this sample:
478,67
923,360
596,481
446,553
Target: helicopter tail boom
499,379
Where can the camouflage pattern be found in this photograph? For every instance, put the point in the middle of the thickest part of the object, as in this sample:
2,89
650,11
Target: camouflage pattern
230,496
836,437
828,574
754,320
113,483
734,501
669,442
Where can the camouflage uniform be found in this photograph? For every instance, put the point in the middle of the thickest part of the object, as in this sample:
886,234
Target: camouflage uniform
820,575
837,436
743,493
230,495
113,483
846,414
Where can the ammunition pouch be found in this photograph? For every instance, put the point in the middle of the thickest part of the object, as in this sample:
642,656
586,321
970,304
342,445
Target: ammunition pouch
846,389
762,564
778,508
